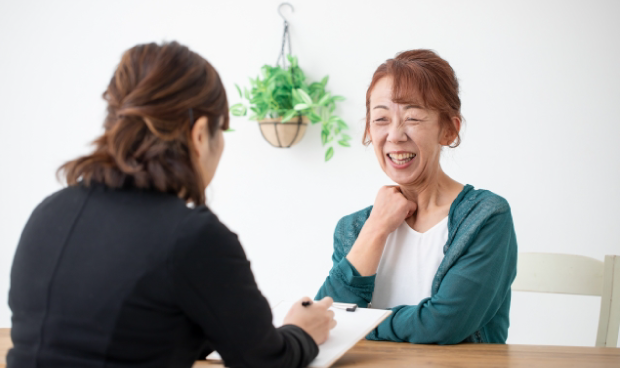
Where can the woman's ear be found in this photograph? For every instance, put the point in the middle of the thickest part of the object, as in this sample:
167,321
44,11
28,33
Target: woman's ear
449,135
368,139
199,136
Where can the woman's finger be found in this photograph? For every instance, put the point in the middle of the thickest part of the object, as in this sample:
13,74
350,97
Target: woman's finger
412,208
326,302
332,324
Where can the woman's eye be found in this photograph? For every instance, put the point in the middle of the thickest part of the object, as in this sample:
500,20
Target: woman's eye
380,120
412,119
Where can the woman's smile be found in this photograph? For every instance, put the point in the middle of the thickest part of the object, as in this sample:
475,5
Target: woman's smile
400,159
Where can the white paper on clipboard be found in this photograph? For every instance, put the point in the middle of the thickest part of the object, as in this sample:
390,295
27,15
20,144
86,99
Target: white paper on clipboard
351,328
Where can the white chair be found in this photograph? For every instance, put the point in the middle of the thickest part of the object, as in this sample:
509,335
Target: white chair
573,274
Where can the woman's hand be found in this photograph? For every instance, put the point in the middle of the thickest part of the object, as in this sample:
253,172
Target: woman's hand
390,210
316,319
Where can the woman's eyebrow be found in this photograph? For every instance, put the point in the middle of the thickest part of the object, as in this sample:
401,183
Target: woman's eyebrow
406,107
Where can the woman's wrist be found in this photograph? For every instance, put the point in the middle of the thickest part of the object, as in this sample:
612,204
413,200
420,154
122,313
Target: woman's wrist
374,231
366,252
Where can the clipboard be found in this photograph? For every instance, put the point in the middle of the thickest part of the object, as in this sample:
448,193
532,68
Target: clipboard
352,327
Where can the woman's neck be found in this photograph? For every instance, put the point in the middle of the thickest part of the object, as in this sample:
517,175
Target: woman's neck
433,195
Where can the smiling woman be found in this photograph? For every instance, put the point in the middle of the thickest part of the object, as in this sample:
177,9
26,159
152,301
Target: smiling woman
429,81
440,254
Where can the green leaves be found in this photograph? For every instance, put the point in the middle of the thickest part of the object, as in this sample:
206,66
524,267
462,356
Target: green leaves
314,118
238,110
324,80
324,135
329,154
289,115
304,96
324,99
292,60
339,122
284,93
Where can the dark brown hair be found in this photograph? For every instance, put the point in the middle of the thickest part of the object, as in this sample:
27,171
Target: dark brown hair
422,78
146,143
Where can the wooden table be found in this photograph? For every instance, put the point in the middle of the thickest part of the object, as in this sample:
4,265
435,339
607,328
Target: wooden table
392,354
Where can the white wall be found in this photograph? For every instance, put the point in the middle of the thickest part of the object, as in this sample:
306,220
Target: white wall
540,92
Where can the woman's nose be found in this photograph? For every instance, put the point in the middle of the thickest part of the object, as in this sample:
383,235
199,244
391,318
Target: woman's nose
396,133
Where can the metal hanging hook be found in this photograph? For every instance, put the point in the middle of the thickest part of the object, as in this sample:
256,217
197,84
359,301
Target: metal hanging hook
280,10
285,37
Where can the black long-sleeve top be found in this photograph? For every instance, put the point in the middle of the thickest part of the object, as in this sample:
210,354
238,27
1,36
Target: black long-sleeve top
134,278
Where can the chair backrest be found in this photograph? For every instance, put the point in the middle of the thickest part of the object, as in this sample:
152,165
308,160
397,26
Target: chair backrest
573,274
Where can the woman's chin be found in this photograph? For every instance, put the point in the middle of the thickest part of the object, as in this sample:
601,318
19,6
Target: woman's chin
400,174
401,178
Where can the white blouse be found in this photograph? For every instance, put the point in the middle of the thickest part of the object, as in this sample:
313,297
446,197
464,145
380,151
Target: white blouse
408,265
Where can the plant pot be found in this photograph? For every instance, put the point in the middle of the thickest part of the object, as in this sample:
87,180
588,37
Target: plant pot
283,135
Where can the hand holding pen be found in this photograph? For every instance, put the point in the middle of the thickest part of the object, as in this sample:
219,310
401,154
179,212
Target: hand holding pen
314,318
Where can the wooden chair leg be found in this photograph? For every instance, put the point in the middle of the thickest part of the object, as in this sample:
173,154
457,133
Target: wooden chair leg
609,320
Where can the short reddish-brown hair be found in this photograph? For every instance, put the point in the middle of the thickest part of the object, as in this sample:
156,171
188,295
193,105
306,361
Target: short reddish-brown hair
152,98
422,78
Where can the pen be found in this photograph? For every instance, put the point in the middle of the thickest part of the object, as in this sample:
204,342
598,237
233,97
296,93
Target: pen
349,307
346,306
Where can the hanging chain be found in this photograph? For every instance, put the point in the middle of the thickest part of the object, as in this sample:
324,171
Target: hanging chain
286,37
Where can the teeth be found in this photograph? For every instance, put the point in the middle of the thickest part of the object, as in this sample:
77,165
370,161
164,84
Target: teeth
401,158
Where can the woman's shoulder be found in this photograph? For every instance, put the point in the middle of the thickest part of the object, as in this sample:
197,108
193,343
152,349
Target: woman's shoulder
201,228
202,215
472,200
201,220
474,208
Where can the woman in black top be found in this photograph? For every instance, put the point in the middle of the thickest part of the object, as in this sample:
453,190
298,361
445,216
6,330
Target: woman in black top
126,267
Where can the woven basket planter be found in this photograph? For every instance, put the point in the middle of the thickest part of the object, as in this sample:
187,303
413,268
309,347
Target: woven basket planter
283,135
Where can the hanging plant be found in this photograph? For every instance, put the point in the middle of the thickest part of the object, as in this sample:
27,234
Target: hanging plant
282,96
